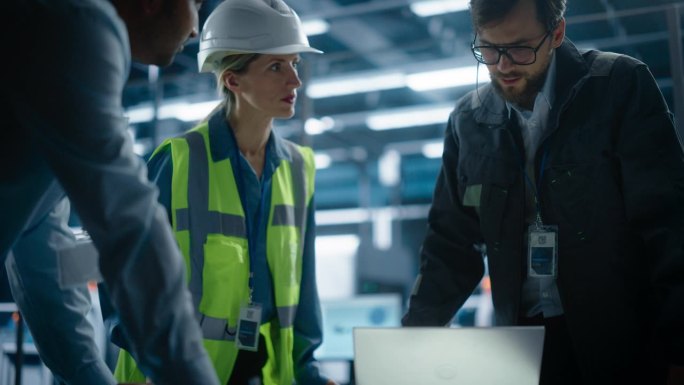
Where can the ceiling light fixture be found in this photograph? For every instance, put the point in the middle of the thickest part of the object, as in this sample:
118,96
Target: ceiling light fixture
322,160
455,77
187,112
314,126
410,117
433,150
139,114
389,168
314,27
355,84
419,81
438,7
184,111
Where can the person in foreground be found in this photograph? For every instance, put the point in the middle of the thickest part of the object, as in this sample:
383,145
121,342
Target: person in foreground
566,172
240,201
65,136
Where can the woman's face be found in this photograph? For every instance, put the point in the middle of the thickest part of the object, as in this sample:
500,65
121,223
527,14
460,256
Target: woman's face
268,87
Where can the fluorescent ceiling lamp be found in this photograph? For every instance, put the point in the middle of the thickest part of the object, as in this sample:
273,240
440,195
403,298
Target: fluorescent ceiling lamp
337,244
141,148
410,118
382,228
358,215
139,115
438,7
420,81
355,85
314,126
389,168
187,112
433,150
315,27
342,216
322,160
425,81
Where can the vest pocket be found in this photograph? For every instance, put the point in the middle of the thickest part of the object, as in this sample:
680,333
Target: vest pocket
224,277
483,183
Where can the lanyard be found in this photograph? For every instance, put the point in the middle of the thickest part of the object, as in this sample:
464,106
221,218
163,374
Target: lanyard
251,235
536,188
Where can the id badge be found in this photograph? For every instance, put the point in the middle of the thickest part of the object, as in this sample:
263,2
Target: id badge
542,251
247,337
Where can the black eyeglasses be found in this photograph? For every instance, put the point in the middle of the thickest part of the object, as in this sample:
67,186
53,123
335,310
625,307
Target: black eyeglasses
518,54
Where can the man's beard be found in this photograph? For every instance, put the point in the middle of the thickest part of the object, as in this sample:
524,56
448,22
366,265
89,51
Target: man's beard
524,98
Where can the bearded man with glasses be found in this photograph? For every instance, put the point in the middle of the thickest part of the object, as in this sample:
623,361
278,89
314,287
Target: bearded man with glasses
506,72
567,174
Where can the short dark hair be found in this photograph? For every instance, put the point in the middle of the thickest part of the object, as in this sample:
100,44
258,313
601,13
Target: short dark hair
549,12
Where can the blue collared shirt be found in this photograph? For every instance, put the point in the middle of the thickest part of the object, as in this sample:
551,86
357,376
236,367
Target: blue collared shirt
253,190
539,295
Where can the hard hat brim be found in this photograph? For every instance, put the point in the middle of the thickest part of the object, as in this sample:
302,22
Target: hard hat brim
208,59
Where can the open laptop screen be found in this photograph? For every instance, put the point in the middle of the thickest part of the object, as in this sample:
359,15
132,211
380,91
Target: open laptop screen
440,355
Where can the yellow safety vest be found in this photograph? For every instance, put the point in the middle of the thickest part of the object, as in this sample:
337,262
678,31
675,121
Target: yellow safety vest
209,225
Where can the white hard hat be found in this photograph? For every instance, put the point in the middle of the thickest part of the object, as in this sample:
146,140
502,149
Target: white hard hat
250,26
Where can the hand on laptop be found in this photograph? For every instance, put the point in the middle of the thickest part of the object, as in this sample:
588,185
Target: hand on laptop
331,382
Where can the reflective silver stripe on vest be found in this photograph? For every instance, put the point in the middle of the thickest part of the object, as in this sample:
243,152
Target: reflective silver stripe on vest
216,329
227,224
204,222
182,219
298,171
218,223
286,315
284,215
288,215
198,209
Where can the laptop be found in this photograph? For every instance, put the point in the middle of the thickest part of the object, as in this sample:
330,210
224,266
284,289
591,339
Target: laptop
441,355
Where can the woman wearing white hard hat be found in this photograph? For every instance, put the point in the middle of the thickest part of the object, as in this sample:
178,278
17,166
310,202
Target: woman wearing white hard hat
240,200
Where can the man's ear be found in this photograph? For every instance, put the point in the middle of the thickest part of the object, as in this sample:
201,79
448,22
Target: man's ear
558,34
151,7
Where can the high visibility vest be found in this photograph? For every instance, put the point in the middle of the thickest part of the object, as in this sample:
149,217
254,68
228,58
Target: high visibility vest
209,225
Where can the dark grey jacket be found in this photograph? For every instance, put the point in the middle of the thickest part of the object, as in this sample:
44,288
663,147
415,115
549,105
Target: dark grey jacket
613,183
64,132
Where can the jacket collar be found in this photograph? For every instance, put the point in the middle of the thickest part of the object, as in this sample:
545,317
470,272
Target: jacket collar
571,72
223,145
571,69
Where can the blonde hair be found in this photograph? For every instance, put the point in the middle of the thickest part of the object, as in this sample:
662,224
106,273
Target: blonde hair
236,63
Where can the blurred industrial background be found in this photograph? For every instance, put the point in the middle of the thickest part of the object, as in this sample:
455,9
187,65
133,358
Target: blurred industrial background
374,109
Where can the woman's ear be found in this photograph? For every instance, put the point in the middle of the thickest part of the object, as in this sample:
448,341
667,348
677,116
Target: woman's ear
230,81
